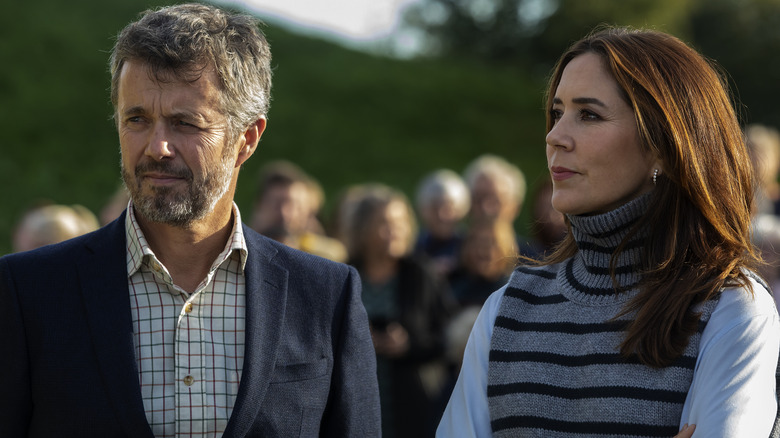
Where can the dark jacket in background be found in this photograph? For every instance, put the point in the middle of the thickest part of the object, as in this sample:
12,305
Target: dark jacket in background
425,306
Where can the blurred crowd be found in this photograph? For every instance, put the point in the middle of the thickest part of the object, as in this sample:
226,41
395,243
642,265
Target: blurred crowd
426,266
764,146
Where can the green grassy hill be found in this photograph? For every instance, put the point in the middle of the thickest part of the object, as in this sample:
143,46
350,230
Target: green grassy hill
346,117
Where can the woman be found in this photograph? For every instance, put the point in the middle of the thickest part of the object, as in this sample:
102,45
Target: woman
647,316
407,307
486,260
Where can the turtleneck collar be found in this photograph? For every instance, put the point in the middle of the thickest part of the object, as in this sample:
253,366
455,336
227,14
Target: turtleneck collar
586,277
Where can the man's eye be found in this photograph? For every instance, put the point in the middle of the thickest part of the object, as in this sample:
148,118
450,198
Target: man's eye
185,125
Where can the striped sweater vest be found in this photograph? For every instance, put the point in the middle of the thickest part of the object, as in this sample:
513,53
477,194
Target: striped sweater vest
555,369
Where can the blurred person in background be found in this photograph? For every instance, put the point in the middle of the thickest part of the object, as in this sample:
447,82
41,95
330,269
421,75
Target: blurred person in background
548,226
498,189
408,307
442,202
286,208
763,144
48,224
338,223
116,204
487,257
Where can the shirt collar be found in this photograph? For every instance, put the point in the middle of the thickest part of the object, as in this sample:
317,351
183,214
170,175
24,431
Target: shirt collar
138,249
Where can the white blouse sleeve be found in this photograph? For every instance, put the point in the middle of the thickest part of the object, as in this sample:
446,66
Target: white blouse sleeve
467,413
733,388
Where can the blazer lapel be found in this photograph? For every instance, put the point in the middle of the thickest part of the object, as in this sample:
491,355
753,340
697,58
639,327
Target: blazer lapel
266,298
102,272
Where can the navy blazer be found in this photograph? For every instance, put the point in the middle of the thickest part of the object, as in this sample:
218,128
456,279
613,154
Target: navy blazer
68,366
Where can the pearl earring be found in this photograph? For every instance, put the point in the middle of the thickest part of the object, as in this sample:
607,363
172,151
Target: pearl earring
655,176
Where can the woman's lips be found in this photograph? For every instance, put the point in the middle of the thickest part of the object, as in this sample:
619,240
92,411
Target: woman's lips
561,173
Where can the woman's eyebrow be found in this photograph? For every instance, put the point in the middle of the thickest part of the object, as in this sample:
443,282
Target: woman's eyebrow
581,101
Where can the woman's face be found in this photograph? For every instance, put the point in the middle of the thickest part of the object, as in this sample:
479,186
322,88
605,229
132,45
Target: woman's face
390,231
593,149
482,253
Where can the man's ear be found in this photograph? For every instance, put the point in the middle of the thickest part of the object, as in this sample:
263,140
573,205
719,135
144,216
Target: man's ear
249,140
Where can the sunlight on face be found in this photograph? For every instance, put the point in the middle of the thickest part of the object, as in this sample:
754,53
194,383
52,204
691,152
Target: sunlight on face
594,152
491,198
176,162
284,208
392,230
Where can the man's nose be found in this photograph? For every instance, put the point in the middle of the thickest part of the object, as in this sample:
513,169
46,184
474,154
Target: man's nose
159,146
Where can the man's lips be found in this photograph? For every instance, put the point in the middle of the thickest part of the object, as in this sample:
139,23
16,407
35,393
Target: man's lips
161,178
561,173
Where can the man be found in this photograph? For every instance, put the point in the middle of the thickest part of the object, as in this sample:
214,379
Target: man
442,201
286,207
497,189
176,319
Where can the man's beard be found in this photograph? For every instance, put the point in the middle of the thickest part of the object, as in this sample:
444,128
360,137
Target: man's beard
173,205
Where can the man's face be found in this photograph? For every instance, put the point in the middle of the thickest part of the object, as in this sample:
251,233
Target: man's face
176,160
491,200
441,217
284,207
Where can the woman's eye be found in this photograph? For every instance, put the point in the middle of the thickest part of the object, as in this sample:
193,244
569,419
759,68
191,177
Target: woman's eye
588,115
556,114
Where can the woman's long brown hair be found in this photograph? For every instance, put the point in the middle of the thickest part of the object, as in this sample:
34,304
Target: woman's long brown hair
700,210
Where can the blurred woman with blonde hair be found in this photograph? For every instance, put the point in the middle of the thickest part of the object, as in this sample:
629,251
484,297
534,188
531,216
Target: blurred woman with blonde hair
407,305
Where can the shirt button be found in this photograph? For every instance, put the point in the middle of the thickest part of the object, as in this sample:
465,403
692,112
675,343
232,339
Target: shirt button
189,380
188,308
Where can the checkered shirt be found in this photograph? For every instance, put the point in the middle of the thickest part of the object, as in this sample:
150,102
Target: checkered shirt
189,347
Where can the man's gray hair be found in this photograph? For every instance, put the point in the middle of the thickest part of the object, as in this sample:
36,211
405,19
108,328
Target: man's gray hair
181,41
444,184
500,170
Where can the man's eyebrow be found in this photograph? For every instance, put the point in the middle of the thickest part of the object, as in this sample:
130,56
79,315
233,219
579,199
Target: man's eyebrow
178,115
581,101
133,111
186,115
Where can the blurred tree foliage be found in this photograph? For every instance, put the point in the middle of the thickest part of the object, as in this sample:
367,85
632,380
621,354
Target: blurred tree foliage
744,37
741,35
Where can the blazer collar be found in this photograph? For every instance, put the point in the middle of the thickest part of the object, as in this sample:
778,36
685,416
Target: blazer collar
266,300
103,276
